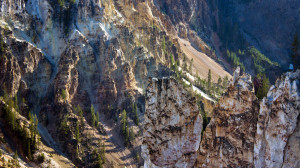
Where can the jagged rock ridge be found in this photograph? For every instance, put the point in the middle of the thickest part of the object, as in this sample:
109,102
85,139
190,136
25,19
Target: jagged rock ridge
277,136
242,132
228,140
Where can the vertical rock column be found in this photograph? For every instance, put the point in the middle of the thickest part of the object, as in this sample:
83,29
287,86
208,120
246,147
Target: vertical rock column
228,140
172,125
277,142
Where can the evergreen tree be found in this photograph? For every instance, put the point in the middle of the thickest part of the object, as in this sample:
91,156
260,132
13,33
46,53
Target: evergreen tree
125,129
97,119
184,63
93,118
80,113
191,64
136,116
77,133
225,81
209,80
64,94
172,61
127,136
131,135
16,104
61,3
2,46
219,81
16,155
264,88
64,125
124,122
99,161
102,150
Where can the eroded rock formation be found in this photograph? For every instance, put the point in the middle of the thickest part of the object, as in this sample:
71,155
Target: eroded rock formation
228,140
242,132
172,125
277,137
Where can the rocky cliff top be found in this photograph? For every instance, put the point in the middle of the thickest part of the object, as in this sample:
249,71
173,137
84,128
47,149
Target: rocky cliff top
242,131
172,125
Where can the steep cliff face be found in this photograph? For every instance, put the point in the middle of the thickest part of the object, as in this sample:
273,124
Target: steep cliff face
59,55
172,125
63,54
228,140
242,130
276,142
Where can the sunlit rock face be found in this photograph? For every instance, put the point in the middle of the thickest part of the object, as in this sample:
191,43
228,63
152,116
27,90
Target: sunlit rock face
228,140
172,125
243,132
278,127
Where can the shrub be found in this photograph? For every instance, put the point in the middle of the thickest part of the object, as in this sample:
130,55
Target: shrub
41,158
64,94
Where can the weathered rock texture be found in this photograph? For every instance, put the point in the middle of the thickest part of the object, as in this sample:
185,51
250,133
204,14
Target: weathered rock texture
83,52
277,139
228,140
172,125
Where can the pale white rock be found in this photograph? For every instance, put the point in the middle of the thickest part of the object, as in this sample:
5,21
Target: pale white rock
172,126
277,138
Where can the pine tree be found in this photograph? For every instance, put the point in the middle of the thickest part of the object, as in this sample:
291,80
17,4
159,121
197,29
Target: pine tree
61,3
2,46
77,134
191,64
93,118
125,129
99,161
127,136
64,125
80,113
136,116
97,119
64,94
264,88
219,81
131,135
209,80
184,63
225,81
102,150
16,105
172,61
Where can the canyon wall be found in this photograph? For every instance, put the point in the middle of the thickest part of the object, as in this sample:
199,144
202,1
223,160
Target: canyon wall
243,131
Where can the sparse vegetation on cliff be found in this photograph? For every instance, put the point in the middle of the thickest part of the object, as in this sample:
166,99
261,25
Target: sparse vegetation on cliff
263,87
19,130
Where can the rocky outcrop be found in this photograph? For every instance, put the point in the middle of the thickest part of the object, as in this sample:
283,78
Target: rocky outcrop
277,137
67,78
20,62
242,132
228,140
172,125
101,53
